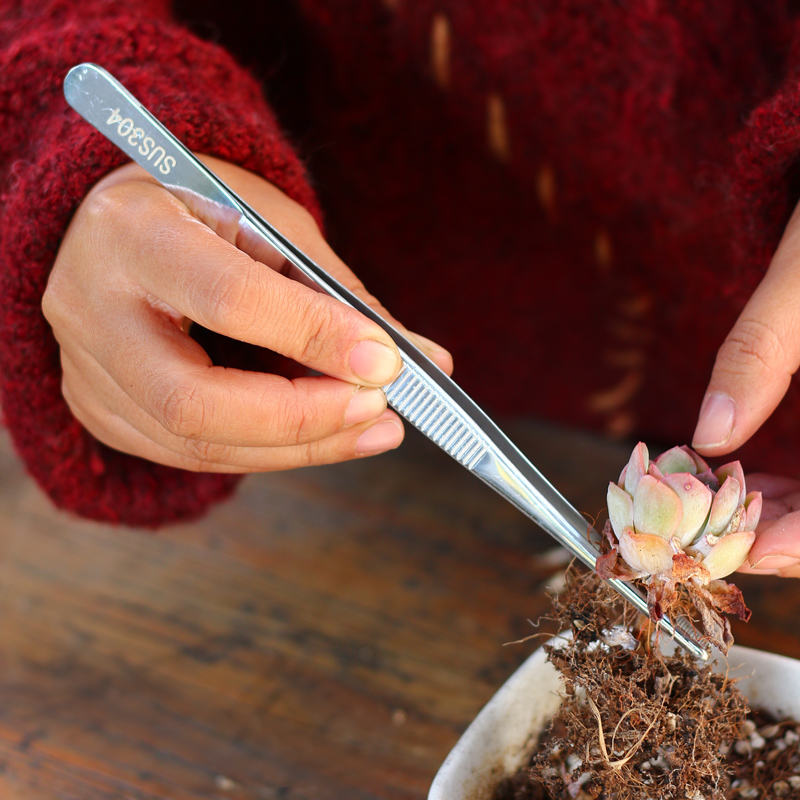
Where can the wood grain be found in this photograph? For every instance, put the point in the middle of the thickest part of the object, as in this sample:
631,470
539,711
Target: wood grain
326,635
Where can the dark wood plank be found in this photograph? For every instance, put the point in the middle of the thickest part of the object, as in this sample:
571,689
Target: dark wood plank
327,634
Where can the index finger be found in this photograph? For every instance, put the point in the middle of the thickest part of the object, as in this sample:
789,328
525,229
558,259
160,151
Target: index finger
183,263
760,355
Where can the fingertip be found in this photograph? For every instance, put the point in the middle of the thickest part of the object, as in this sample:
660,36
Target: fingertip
444,361
774,562
385,434
365,404
777,544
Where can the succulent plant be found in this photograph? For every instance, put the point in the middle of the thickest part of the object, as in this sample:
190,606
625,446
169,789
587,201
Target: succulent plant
675,522
675,505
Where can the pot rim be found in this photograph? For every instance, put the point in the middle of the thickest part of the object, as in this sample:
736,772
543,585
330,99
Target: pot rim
504,733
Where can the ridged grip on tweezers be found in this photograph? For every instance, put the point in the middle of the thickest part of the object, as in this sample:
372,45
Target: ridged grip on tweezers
426,409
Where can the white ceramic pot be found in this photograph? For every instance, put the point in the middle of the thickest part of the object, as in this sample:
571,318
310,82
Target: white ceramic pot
504,734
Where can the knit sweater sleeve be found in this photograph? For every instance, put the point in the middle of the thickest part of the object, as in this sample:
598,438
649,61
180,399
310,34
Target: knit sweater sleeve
49,159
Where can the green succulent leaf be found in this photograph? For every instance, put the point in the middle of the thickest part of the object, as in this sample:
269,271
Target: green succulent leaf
657,509
728,554
676,460
620,508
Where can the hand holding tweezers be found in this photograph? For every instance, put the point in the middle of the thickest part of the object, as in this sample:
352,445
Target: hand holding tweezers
422,393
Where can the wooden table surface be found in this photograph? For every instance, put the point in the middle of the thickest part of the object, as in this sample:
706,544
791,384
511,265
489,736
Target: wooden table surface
326,635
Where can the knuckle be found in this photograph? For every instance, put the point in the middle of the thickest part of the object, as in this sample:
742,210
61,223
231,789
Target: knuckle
754,343
51,306
318,333
333,449
312,454
108,219
59,307
236,297
112,209
203,453
298,421
182,410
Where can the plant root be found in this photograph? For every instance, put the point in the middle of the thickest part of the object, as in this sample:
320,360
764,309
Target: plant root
635,723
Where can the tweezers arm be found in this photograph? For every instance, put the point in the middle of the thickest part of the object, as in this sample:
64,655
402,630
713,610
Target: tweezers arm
422,393
483,449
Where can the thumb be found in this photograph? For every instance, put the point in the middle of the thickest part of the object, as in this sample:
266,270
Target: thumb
756,362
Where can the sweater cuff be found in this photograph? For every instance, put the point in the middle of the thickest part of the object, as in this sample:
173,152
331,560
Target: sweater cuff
211,105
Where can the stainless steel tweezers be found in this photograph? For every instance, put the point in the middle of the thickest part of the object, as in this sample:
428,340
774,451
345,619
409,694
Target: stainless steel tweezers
422,393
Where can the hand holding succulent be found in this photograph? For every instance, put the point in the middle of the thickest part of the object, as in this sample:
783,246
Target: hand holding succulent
676,523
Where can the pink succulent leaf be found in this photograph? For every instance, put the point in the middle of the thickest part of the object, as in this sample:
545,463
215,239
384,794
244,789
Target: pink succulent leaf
699,463
645,553
733,470
726,501
609,566
637,468
656,508
655,472
709,479
620,508
753,504
728,554
695,500
676,460
621,481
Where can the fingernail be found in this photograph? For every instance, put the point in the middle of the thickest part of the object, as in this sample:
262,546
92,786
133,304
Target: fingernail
365,404
380,437
374,362
775,561
715,426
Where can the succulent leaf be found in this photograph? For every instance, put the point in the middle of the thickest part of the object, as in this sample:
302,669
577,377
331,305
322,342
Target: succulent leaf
637,468
646,553
656,508
700,464
620,508
753,504
726,501
728,554
708,478
676,460
655,472
695,500
733,470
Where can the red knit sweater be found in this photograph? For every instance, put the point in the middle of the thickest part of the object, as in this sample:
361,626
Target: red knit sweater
575,196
